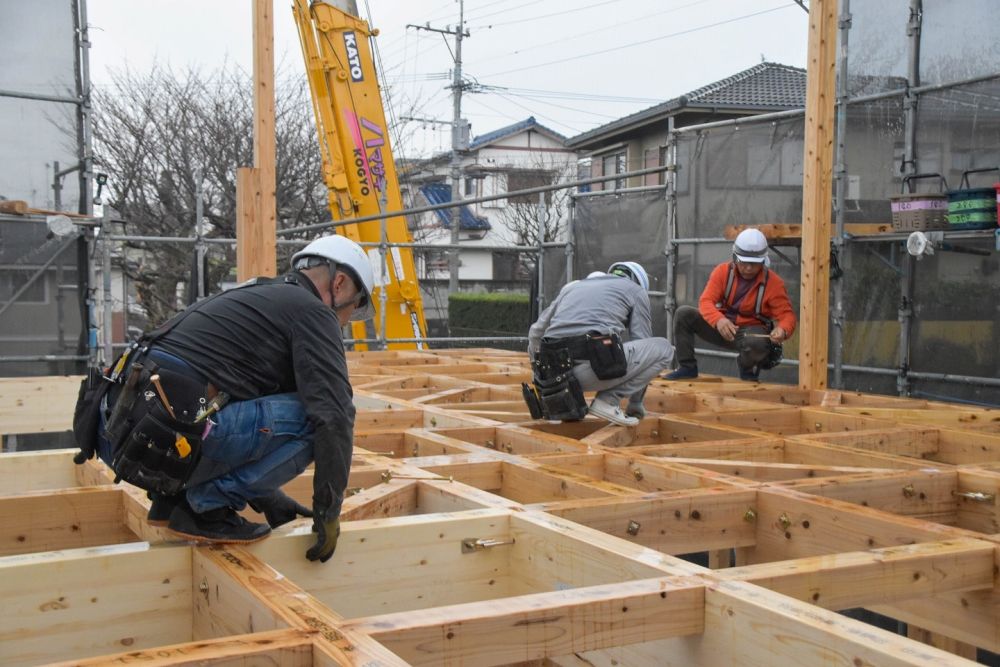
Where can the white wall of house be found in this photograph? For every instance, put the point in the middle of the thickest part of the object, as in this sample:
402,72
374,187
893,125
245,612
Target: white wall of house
486,170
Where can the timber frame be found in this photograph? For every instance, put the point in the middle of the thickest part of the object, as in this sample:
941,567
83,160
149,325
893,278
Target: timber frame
476,536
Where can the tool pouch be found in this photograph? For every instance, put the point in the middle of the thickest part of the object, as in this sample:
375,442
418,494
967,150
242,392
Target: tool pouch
755,349
607,356
561,398
87,413
152,456
122,416
532,400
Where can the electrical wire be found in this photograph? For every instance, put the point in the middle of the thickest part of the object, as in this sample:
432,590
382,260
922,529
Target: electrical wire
602,29
622,47
545,16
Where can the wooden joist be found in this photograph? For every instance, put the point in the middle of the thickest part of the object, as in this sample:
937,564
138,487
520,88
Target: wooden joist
487,540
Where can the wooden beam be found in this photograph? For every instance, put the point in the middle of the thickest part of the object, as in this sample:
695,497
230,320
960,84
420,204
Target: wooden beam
817,189
533,627
78,604
749,625
880,576
288,648
256,210
67,519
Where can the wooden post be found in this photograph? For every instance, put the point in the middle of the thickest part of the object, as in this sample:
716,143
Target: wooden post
816,194
256,210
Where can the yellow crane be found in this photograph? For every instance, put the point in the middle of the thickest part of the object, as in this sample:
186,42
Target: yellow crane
358,166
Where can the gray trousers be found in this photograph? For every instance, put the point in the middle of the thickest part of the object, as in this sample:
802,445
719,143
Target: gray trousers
646,358
688,322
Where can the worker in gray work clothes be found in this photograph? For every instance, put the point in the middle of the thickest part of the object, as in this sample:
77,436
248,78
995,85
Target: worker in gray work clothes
596,336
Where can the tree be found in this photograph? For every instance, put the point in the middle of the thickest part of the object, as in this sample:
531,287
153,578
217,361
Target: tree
154,131
520,216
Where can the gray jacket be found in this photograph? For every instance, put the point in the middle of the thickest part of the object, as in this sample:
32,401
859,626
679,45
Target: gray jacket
607,304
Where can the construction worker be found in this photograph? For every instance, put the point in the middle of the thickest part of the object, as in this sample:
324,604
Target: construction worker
274,347
744,307
600,327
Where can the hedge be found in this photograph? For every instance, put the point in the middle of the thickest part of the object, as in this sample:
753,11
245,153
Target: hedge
489,314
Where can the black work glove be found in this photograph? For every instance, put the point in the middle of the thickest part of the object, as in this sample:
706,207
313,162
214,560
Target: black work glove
279,509
327,533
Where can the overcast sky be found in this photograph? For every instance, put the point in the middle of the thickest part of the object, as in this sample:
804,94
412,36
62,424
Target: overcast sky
573,64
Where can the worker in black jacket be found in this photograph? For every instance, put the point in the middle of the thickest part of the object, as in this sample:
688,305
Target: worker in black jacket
275,348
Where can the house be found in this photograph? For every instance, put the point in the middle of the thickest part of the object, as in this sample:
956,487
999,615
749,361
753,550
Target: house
523,155
638,141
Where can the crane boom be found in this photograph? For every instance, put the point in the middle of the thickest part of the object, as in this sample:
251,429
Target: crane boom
358,166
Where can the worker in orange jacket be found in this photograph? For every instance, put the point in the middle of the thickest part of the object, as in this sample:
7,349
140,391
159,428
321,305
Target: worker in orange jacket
744,307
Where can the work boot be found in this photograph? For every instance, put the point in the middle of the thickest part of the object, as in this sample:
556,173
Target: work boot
612,413
279,509
682,373
160,508
750,374
221,525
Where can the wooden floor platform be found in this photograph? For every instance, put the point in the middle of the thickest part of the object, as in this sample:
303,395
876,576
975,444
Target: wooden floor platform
475,536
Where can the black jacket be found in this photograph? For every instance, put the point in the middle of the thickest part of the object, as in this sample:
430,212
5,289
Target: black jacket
278,337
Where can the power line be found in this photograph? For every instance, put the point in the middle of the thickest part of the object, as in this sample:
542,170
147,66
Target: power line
545,16
602,29
646,41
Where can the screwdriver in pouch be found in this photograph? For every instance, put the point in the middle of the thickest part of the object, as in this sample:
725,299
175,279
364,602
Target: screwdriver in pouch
181,443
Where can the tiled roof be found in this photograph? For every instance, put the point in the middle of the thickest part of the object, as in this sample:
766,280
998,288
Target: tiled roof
764,87
440,193
527,124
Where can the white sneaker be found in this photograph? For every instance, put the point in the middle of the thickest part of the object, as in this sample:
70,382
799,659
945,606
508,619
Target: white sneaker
612,413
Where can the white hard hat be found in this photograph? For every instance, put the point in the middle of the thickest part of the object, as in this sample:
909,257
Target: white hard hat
631,270
751,247
346,254
596,274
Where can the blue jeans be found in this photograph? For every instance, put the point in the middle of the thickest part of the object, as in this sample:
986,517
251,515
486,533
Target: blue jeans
255,448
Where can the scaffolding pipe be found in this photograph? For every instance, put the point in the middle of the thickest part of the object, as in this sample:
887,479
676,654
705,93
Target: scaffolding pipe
38,97
909,166
468,202
570,246
199,244
670,191
872,370
42,357
107,303
461,339
85,114
840,195
540,213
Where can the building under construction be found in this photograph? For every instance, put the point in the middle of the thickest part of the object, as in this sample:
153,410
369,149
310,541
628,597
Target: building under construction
843,512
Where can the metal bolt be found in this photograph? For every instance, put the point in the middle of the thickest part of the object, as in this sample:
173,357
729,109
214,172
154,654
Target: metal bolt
750,515
633,528
637,474
909,491
784,521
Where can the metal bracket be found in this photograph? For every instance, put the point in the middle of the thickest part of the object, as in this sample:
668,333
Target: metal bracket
472,544
977,496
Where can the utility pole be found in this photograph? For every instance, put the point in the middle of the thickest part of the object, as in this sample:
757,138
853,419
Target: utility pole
459,140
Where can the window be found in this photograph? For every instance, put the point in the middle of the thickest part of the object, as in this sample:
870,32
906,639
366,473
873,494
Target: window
614,164
12,280
470,187
524,179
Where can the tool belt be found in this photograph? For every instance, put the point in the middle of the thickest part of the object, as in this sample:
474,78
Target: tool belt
756,349
555,392
155,427
605,352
